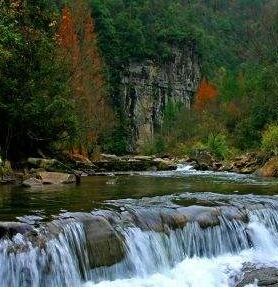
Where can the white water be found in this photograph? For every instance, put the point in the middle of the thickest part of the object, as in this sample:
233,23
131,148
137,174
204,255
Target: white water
184,167
61,261
191,256
150,252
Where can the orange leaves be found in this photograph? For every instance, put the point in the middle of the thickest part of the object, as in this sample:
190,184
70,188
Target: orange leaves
67,36
206,94
78,45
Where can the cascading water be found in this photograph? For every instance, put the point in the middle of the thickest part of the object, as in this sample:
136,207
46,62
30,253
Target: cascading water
197,257
188,256
62,261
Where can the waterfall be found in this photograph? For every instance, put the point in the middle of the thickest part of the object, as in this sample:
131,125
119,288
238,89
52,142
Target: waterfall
63,260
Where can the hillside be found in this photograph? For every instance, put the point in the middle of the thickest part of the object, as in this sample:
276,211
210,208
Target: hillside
117,76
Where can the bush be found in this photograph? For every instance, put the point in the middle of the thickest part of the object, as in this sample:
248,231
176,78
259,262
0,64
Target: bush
270,139
158,146
217,144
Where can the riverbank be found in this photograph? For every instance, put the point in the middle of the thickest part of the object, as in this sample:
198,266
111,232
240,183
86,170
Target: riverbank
70,168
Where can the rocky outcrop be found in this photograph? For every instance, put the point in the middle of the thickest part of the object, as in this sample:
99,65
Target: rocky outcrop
161,219
150,85
247,163
270,169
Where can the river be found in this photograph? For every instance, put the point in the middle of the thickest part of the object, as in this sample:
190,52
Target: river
177,228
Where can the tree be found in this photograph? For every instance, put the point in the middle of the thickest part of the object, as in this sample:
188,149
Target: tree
34,109
206,93
78,42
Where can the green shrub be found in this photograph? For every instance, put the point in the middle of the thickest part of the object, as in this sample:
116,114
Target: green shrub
217,144
270,139
157,146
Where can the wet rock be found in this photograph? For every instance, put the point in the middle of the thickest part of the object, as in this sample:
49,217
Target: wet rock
173,219
233,213
106,245
32,182
81,159
204,216
148,219
10,229
264,277
270,169
226,167
56,178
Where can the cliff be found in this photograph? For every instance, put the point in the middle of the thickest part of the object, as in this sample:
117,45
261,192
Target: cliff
148,86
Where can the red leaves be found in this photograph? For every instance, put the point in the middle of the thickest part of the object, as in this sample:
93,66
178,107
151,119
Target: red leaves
206,94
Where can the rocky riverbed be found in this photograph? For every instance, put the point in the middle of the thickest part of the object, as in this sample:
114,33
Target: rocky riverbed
42,171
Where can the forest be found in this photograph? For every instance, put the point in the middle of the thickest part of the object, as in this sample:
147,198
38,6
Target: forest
61,62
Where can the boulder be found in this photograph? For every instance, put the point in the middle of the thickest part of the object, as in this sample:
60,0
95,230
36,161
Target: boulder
105,244
264,277
10,229
203,159
56,178
164,164
270,169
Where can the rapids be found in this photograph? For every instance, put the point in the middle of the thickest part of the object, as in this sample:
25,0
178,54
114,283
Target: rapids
180,237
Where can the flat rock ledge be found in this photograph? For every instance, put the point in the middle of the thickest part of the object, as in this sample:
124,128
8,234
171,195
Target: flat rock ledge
48,178
113,163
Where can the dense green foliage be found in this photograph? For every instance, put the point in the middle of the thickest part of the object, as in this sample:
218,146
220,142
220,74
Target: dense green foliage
237,44
34,109
235,40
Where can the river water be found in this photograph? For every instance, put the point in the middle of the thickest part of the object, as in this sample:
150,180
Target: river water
231,222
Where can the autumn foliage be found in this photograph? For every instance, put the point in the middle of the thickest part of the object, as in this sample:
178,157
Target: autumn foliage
206,94
78,46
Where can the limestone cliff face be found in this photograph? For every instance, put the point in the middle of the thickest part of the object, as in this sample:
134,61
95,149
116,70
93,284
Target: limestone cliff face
148,86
